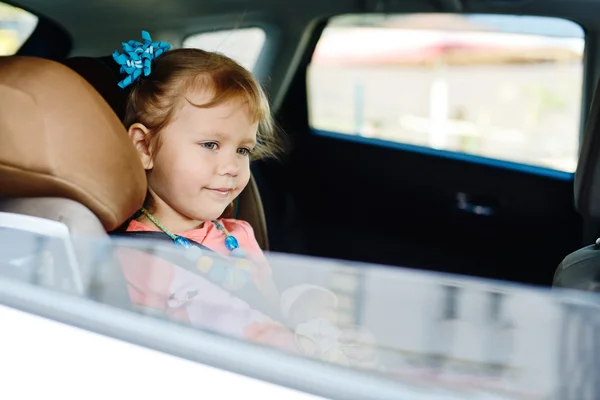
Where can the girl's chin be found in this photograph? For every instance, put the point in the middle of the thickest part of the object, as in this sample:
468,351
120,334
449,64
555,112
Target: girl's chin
207,217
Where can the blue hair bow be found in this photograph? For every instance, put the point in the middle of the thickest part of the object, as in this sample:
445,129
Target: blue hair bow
137,58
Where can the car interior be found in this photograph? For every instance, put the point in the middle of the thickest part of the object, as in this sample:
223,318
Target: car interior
45,181
335,196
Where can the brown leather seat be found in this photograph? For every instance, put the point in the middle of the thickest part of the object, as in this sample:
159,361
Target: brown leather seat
60,139
102,74
65,156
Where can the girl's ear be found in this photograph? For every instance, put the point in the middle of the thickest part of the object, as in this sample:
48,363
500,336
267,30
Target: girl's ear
140,136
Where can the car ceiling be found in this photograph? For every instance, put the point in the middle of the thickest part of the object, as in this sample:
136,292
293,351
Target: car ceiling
97,25
97,19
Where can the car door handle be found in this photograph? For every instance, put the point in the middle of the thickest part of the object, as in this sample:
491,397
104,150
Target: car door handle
466,204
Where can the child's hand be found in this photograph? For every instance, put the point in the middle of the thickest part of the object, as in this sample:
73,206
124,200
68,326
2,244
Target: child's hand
357,345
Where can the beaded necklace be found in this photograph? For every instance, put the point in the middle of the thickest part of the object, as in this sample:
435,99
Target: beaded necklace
230,241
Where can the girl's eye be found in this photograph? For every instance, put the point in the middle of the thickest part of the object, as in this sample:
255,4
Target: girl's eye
210,145
244,151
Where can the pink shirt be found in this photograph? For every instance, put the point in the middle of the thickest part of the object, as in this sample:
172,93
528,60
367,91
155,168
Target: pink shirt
214,239
156,284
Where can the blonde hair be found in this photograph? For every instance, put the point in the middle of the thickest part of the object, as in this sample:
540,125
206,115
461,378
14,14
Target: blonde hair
154,99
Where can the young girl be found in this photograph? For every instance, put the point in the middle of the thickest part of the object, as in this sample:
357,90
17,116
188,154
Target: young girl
197,119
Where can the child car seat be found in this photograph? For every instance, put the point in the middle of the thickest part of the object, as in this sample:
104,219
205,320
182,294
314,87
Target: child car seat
581,269
64,154
103,74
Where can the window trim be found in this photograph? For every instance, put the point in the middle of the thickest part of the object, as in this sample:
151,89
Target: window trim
449,154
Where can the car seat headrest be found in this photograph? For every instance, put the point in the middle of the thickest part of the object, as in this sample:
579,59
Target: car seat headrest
103,74
587,176
59,138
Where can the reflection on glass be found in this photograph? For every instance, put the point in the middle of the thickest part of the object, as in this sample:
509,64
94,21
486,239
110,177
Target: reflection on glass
497,86
450,302
577,374
459,337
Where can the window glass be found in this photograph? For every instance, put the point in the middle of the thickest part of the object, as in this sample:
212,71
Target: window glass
405,328
16,25
242,45
501,87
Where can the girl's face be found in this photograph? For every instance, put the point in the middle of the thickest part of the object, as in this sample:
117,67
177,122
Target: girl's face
203,161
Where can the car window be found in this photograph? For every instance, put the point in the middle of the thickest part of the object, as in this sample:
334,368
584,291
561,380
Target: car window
243,45
501,87
460,337
16,25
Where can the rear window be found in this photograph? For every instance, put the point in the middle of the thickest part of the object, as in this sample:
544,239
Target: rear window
16,25
492,86
243,45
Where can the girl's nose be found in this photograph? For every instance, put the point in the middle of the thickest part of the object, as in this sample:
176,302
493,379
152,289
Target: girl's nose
229,165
